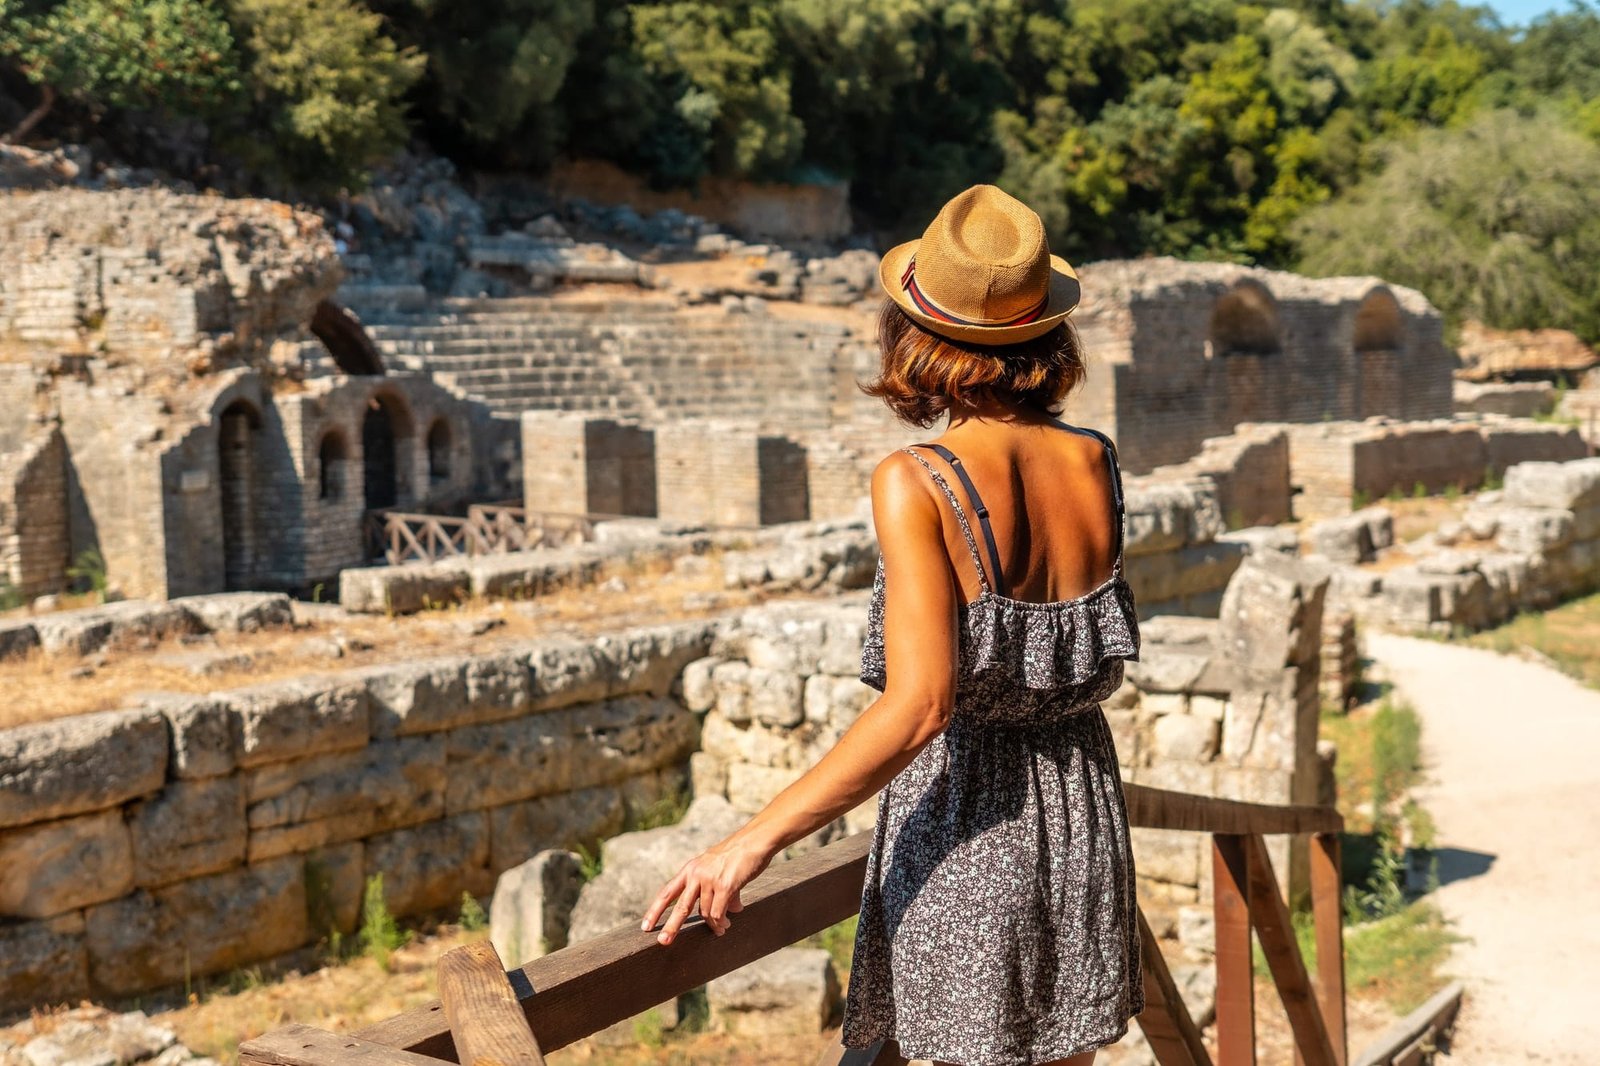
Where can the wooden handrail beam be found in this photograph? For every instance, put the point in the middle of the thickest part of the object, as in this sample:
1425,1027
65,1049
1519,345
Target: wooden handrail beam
1270,916
1168,1027
1159,808
486,1020
579,990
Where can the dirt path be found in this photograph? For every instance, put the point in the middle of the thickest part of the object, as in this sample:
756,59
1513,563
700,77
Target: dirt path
1511,750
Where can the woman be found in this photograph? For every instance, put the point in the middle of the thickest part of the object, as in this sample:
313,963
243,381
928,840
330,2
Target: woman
998,924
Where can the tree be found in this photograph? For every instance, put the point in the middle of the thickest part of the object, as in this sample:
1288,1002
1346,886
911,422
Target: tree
1498,220
328,83
148,54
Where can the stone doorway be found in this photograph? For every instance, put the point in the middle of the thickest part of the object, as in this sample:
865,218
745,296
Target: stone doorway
238,454
384,431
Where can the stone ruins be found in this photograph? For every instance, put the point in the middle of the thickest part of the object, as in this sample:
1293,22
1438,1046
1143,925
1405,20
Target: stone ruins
217,402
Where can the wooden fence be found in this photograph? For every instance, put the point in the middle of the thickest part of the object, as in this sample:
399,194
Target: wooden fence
490,1016
486,529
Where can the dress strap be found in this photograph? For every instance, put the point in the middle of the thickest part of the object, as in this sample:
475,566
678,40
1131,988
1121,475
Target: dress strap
955,504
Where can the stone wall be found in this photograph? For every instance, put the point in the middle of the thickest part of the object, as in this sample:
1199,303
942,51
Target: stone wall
33,515
1335,465
1517,399
193,834
587,465
1250,468
1527,546
178,283
1190,350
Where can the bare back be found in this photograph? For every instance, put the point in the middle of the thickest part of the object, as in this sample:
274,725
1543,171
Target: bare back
1051,505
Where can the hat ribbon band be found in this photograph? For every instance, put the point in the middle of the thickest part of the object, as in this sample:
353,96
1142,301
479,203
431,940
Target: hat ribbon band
908,281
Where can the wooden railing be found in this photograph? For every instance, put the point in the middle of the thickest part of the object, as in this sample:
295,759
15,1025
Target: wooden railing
575,992
487,529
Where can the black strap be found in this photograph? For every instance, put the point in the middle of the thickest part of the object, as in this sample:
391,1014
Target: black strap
1116,488
979,509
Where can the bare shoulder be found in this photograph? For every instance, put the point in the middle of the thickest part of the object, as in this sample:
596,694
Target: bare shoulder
900,485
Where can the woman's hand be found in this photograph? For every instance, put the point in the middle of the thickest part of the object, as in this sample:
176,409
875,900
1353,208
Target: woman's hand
714,879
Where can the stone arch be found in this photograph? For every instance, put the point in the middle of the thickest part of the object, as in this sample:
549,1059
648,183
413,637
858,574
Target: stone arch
386,433
1379,325
333,456
240,475
1244,321
346,340
440,440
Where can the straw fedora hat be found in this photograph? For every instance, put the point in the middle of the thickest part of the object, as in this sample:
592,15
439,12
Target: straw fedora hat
982,272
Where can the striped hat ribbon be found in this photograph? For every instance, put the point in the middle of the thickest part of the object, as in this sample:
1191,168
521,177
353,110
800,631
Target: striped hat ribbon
908,281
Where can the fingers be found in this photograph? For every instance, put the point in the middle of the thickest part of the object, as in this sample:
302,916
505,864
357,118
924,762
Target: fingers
716,909
680,913
662,901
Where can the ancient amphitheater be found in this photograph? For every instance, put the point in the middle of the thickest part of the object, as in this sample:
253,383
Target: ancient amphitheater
641,474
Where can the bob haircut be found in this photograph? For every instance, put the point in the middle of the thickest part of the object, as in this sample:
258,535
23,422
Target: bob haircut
924,373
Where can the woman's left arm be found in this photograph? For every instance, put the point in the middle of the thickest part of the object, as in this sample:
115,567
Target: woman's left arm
920,650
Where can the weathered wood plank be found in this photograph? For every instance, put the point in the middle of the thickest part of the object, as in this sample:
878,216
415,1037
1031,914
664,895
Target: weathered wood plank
581,989
486,1020
1271,918
1159,808
1327,915
1168,1027
1236,995
305,1045
1436,1014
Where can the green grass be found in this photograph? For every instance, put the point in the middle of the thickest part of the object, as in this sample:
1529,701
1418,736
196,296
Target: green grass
839,941
473,919
380,934
1567,635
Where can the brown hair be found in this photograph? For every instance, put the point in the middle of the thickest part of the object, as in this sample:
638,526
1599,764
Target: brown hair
924,373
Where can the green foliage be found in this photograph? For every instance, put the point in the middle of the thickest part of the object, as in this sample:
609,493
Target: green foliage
88,573
380,935
664,810
10,596
473,919
327,83
1499,220
175,55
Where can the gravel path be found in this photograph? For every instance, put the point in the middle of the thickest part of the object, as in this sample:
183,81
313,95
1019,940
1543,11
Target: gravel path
1511,753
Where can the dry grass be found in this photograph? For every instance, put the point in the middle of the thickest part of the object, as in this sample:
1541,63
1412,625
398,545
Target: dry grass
1566,637
42,687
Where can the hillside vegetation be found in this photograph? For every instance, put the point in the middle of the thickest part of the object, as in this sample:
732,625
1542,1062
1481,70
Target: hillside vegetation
1420,140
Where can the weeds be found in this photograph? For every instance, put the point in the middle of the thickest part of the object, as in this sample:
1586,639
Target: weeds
1418,490
88,573
1359,499
10,596
380,934
589,861
473,919
663,811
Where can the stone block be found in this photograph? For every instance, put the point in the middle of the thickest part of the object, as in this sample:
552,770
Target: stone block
1254,784
649,659
793,992
201,732
1167,854
754,742
189,829
1568,486
1197,929
1124,735
43,963
402,589
577,747
117,1040
532,907
708,775
417,697
751,788
81,763
775,698
570,671
635,865
1214,708
335,880
1164,703
1163,668
326,799
841,646
532,573
91,628
698,692
498,686
240,612
17,638
428,866
164,936
836,700
54,867
292,719
568,820
1196,778
731,680
1185,737
1533,529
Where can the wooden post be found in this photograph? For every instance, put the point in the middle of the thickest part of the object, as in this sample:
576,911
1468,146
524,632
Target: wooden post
1327,913
1271,917
1168,1028
1236,1003
486,1019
